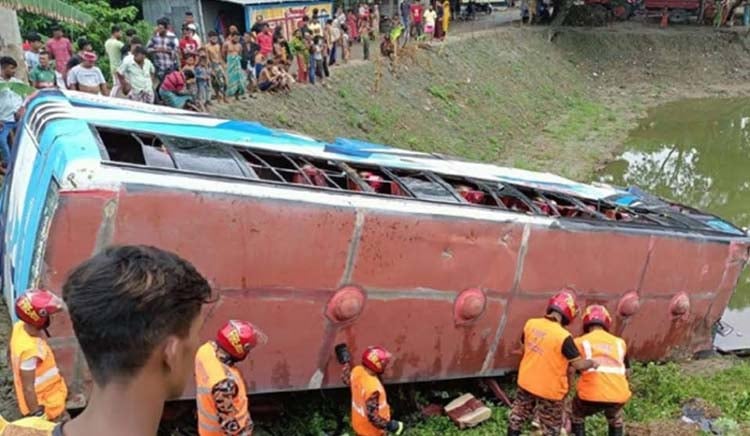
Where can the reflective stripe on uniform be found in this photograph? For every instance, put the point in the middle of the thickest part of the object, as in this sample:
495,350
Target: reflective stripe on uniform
606,369
587,349
47,376
358,409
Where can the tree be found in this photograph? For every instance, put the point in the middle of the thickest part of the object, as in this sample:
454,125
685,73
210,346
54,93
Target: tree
10,34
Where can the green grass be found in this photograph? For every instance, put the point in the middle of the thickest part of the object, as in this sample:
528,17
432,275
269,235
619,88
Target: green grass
659,391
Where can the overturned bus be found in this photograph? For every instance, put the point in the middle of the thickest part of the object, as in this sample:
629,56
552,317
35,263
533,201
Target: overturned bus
437,259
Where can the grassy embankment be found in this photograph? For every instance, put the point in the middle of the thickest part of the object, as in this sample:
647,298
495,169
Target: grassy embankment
509,96
659,392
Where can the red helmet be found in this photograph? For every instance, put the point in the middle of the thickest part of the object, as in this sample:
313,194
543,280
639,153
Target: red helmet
596,314
563,303
239,337
376,359
35,307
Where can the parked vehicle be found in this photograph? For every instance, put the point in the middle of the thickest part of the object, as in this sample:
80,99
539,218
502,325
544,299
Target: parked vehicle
437,259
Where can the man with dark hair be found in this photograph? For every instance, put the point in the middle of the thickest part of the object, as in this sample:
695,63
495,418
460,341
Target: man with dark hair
113,47
43,75
258,25
10,106
61,49
136,74
135,311
164,48
31,56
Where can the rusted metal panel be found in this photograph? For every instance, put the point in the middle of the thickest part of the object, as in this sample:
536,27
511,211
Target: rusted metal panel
242,243
421,334
595,262
279,263
677,265
407,252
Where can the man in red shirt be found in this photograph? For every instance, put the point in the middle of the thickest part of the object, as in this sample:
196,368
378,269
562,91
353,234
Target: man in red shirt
60,48
265,41
188,45
416,10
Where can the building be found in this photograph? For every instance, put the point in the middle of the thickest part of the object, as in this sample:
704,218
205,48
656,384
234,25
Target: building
219,15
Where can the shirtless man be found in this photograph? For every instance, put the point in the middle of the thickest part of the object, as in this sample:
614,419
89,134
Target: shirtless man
216,61
236,77
267,81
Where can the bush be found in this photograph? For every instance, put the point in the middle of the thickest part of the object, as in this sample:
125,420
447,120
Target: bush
97,32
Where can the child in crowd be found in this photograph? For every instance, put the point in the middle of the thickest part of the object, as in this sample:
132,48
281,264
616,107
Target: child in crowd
191,85
345,43
203,79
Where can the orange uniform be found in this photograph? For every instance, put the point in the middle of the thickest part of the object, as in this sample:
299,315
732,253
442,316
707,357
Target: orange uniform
49,386
363,385
607,383
209,372
544,367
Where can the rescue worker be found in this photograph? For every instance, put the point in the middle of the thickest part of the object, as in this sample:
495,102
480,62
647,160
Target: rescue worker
221,393
40,389
548,349
136,313
371,414
604,389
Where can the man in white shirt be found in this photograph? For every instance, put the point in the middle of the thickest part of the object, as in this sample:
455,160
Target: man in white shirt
31,56
136,76
87,77
10,106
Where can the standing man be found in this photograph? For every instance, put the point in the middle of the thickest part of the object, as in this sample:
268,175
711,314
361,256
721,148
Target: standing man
371,414
31,56
543,374
136,76
113,47
190,22
258,25
604,389
221,391
87,77
164,49
40,389
416,10
43,75
187,43
61,49
11,104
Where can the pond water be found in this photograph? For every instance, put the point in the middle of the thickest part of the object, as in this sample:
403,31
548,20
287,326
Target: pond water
697,152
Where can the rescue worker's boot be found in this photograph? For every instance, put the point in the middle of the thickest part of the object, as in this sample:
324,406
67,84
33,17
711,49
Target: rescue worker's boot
579,429
615,431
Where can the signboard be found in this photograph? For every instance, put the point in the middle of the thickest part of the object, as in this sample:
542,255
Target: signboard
288,15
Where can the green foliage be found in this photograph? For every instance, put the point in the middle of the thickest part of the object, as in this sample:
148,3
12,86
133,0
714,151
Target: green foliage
97,32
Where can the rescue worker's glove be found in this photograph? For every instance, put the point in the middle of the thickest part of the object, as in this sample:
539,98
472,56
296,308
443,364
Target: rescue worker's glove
395,427
342,354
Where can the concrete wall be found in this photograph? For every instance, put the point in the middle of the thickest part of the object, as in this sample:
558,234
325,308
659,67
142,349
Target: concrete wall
175,11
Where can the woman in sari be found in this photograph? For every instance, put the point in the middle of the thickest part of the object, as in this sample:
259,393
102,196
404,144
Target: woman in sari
439,21
446,16
236,77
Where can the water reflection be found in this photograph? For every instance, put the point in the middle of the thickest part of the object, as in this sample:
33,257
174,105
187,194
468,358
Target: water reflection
695,152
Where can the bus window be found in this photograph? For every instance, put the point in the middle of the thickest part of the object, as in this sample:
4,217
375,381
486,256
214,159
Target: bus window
202,156
121,146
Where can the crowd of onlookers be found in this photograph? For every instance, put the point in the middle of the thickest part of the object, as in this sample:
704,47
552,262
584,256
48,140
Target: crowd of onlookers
196,70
